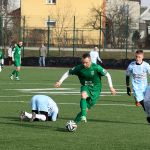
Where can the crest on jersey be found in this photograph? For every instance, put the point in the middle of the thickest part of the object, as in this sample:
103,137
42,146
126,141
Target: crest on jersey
92,73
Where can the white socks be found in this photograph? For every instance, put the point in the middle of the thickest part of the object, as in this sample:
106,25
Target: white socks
38,116
28,115
41,117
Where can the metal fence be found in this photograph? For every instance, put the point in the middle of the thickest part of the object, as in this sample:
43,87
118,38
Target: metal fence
66,40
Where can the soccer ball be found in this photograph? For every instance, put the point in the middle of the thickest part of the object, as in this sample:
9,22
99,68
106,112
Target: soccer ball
71,126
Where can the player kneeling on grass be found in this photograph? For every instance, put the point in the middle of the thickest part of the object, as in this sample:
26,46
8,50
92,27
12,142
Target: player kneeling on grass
89,75
43,108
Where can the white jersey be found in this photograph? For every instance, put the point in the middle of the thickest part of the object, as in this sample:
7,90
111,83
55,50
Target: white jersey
94,56
9,52
138,75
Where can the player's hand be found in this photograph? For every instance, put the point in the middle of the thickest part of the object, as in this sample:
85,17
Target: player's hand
113,91
128,90
57,84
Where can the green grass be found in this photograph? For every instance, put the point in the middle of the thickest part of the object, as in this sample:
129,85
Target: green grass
109,127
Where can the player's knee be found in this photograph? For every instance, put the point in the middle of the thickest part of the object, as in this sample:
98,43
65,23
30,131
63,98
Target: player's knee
84,95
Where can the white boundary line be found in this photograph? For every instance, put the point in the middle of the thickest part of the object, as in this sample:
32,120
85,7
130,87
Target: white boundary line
126,105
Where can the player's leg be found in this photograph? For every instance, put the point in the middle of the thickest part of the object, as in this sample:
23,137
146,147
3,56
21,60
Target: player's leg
0,65
139,98
40,116
25,115
2,62
40,60
17,73
14,71
83,104
44,61
34,108
81,116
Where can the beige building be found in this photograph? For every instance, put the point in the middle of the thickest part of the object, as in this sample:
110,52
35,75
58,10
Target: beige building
37,12
59,14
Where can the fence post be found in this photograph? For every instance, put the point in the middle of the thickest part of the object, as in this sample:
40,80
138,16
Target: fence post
1,30
74,23
48,35
127,19
23,38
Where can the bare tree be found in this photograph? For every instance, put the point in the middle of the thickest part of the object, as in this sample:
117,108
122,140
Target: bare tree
63,17
115,23
9,22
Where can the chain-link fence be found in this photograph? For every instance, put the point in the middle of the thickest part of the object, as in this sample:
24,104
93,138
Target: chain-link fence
67,40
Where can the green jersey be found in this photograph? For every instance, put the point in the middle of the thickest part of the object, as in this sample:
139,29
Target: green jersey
17,53
1,54
89,76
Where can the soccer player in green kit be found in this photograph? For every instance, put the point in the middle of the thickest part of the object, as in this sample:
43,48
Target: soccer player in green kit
16,57
1,59
89,75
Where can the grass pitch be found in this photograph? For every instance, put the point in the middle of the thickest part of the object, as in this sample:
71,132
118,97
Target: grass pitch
115,123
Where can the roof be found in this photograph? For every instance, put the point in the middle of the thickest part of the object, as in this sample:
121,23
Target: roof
16,12
146,14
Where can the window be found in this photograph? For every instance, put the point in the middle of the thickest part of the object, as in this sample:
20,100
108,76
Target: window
51,23
50,1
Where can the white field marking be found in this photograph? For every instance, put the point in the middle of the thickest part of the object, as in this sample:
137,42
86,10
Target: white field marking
68,94
49,93
72,92
60,90
126,105
16,96
13,102
49,83
43,89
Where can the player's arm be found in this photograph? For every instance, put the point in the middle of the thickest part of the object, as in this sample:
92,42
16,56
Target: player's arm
13,51
65,76
128,85
128,81
112,90
99,58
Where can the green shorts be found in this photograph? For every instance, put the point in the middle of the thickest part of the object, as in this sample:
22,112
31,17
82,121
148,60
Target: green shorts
93,94
17,63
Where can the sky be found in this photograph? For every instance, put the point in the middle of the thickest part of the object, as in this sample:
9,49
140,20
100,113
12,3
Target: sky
145,2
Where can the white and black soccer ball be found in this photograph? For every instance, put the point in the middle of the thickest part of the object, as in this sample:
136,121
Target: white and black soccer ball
71,126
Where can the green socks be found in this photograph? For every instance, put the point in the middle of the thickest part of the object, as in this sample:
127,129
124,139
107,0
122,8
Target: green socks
83,106
17,73
13,72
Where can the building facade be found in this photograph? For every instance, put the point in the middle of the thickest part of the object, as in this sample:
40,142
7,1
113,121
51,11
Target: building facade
63,16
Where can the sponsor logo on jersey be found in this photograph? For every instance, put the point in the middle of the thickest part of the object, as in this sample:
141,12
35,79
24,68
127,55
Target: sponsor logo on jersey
92,73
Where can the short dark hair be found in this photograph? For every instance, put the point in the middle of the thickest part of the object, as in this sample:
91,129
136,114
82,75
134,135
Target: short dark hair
139,52
85,55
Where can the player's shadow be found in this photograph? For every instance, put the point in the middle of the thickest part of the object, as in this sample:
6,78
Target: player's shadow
16,122
118,122
107,121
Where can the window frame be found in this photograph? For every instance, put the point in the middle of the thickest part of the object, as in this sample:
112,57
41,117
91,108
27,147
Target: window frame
51,21
50,2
